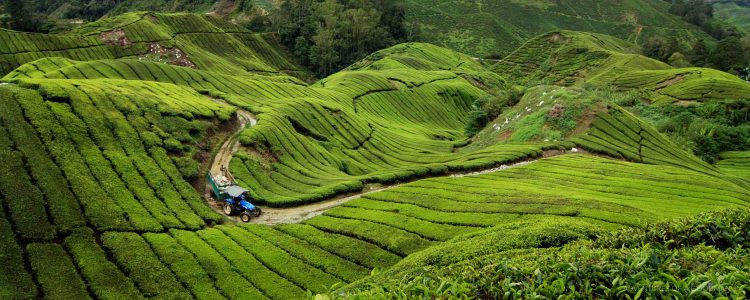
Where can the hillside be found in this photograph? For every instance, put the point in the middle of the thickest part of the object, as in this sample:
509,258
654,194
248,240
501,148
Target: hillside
569,58
364,176
198,41
736,13
496,28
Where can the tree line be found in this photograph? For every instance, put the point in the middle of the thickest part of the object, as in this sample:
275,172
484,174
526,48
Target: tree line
327,36
730,54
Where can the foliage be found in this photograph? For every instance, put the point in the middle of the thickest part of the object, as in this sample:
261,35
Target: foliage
15,280
55,272
197,41
660,48
729,55
103,277
329,35
486,109
700,13
723,230
710,128
735,163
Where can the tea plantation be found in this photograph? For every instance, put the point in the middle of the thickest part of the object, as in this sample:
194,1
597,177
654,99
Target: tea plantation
497,28
106,133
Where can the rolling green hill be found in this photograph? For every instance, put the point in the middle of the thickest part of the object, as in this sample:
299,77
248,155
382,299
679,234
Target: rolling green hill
569,58
99,129
736,13
496,28
198,41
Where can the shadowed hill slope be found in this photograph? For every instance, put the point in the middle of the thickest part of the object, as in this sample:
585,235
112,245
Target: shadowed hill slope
483,28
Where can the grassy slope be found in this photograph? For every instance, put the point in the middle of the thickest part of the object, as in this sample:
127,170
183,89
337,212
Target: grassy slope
130,227
483,28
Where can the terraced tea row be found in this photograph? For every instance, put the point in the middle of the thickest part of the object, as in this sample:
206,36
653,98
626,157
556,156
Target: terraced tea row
574,58
96,157
377,231
736,163
619,133
688,84
499,27
568,58
311,150
103,147
201,41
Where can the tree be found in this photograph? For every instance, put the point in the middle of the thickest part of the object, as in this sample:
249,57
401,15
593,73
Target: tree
295,21
660,48
393,16
678,60
699,54
729,55
243,6
20,17
328,35
361,34
324,53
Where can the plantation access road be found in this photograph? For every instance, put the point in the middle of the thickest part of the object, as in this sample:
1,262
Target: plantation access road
274,216
225,153
232,144
297,214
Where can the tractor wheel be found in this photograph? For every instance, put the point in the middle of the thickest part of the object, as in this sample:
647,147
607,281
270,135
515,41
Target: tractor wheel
228,210
245,217
256,212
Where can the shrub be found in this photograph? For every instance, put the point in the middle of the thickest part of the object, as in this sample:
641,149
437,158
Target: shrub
361,252
281,262
266,280
183,265
135,256
15,281
313,255
225,276
55,272
103,277
188,167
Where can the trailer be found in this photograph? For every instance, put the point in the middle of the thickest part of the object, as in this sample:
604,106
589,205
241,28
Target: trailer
236,199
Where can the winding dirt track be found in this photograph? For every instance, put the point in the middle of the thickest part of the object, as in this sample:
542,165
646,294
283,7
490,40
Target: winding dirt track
273,216
224,156
232,144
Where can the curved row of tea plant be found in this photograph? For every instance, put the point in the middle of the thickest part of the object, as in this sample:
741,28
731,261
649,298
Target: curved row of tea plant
203,41
700,257
96,155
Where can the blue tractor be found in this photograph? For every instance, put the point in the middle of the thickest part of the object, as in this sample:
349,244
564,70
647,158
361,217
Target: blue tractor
236,199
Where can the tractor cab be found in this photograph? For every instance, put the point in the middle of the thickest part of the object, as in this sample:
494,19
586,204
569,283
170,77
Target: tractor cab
237,199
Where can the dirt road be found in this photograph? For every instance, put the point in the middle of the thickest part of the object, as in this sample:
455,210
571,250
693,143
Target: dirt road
231,145
273,216
224,156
